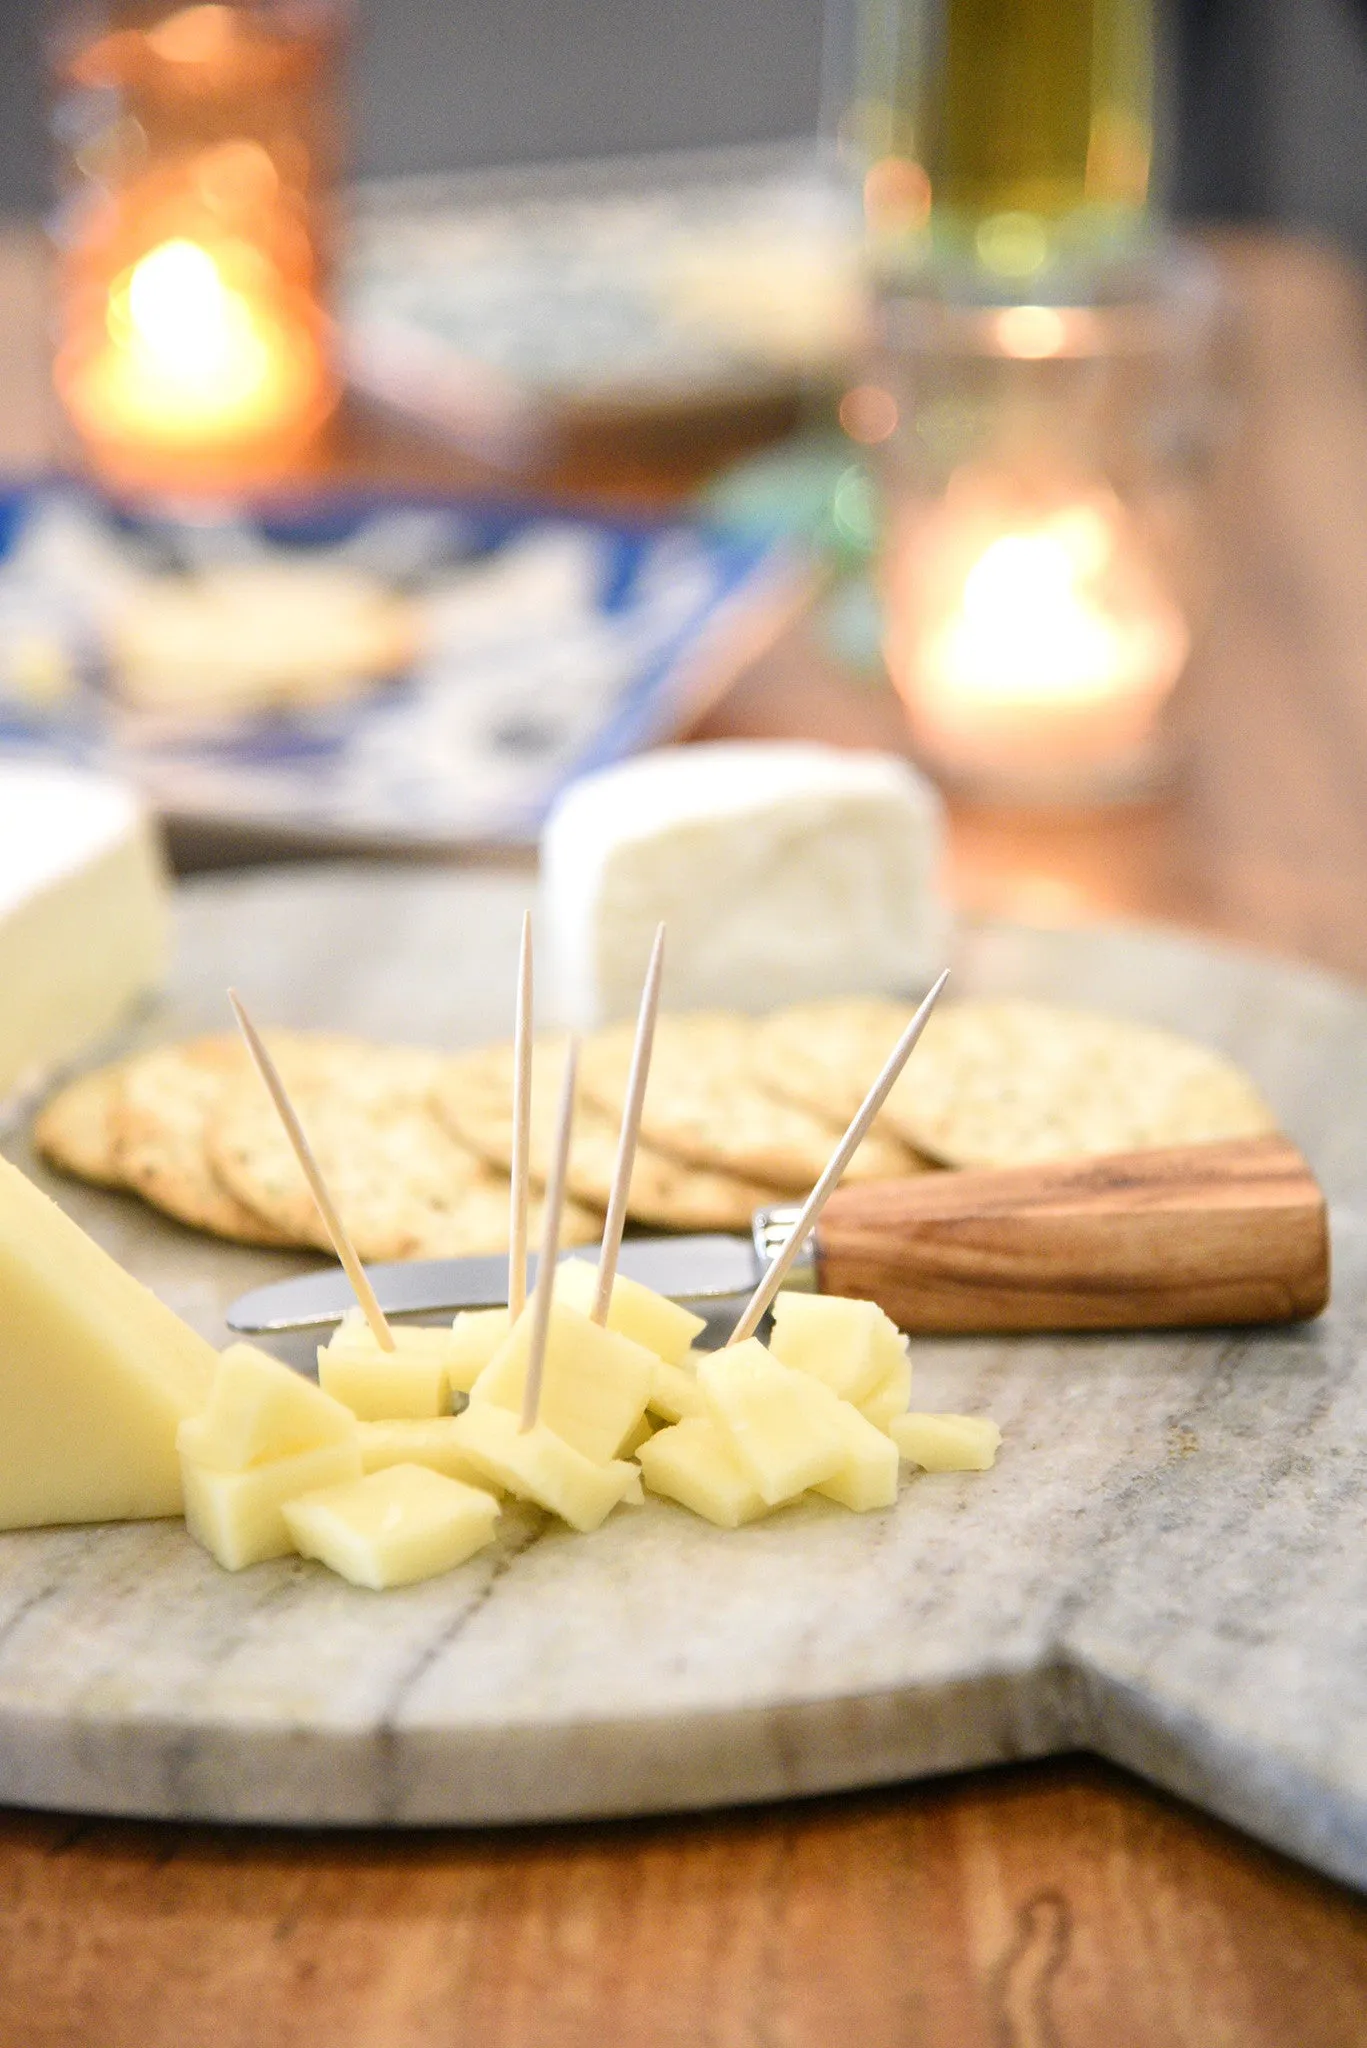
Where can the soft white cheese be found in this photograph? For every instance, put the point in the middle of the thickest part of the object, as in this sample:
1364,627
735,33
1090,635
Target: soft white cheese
784,871
84,914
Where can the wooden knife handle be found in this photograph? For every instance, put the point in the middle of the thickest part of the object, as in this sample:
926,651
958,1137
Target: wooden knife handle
1227,1233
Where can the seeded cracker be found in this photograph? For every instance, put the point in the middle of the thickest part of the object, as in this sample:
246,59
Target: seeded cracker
78,1129
1008,1083
706,1106
405,1187
825,1056
474,1099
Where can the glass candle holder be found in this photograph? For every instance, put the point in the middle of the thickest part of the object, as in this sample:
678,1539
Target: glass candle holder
198,155
1041,569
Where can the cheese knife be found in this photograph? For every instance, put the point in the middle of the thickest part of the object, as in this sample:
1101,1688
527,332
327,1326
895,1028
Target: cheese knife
1234,1232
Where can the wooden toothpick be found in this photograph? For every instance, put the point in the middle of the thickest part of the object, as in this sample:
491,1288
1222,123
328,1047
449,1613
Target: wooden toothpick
615,1221
522,1127
816,1201
303,1152
550,1241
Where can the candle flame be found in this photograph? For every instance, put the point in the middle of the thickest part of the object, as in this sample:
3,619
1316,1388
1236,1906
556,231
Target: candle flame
1034,621
178,314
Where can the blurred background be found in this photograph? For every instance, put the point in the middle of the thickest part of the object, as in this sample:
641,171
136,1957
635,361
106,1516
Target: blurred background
1265,98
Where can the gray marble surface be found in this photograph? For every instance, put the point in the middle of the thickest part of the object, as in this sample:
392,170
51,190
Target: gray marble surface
1167,1564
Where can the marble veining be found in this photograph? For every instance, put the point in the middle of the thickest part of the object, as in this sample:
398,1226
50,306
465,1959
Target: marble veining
1167,1564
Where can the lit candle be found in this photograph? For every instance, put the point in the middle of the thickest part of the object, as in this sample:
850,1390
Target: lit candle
194,344
1031,650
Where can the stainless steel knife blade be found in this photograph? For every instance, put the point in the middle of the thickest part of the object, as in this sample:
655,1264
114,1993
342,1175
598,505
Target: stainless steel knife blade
694,1269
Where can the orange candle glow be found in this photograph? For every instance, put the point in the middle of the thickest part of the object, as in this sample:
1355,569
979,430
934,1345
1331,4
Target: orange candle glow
194,343
1033,646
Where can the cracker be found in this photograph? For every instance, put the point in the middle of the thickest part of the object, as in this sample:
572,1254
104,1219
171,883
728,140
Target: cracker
827,1055
78,1130
249,636
163,1111
474,1099
705,1105
170,1096
1010,1082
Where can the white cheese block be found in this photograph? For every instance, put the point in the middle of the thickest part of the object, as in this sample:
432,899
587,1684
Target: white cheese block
784,872
84,914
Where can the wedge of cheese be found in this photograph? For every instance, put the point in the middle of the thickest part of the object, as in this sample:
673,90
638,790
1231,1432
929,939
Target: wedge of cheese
784,870
84,915
96,1375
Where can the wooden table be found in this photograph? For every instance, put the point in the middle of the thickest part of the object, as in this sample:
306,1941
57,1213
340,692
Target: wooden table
1050,1906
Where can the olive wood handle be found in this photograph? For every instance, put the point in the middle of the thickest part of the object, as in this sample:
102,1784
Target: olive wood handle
1234,1232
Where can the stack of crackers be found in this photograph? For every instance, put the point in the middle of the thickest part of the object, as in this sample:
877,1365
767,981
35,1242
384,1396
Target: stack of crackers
740,1113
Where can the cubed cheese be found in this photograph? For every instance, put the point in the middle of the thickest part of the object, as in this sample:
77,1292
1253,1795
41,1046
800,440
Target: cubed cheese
696,1464
835,1340
414,1379
96,1374
84,914
239,1516
784,871
889,1395
393,1527
536,1464
675,1393
474,1338
259,1409
633,1310
782,1424
430,1441
947,1443
594,1388
866,1476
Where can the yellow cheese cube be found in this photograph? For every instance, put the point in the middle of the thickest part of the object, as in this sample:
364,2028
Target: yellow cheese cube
675,1393
536,1464
695,1464
633,1310
429,1441
393,1527
889,1397
239,1516
96,1375
634,1438
867,1474
413,1380
834,1339
474,1337
948,1443
259,1409
783,1424
595,1386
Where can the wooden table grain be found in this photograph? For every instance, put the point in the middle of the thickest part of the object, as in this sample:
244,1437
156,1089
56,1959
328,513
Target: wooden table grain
1050,1906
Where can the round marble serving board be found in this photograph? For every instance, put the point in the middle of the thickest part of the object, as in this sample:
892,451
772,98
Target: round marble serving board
1167,1565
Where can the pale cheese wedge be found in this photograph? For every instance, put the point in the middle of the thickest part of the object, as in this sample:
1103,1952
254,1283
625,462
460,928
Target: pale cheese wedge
633,1310
258,1409
96,1375
781,1423
429,1441
696,1464
239,1516
413,1380
474,1337
595,1385
538,1465
394,1527
948,1443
